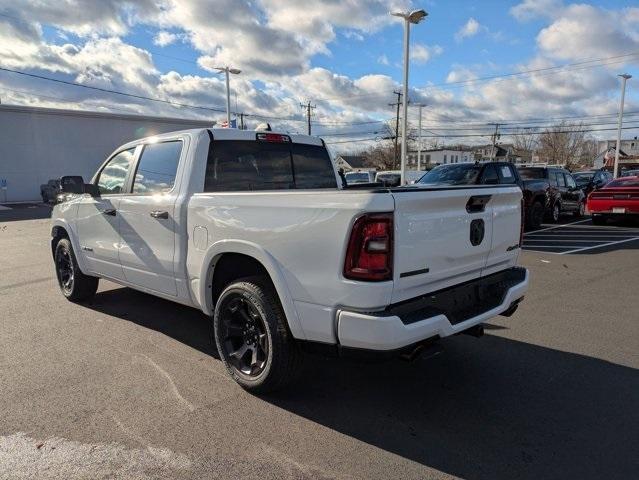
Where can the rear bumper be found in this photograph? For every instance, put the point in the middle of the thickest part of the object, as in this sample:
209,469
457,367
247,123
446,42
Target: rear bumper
439,314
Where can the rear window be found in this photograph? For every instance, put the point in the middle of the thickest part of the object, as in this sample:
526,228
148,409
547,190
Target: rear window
245,165
357,177
624,182
532,173
583,178
461,174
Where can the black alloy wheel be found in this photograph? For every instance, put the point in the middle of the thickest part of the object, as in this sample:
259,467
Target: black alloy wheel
244,336
556,212
65,270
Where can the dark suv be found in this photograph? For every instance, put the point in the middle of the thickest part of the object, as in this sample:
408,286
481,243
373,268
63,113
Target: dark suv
590,180
554,189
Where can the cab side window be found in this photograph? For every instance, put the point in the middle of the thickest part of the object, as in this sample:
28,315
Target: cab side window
489,177
506,174
570,181
113,176
157,168
561,180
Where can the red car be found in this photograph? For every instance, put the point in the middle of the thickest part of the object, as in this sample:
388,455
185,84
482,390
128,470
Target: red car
618,199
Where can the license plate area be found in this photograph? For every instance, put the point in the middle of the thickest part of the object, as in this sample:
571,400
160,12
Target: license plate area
618,210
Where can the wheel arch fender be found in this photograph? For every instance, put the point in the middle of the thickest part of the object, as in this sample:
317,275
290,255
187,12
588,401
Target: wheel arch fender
270,264
58,226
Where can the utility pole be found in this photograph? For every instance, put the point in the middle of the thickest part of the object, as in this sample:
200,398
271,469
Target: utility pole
241,121
399,102
495,138
624,78
308,108
419,141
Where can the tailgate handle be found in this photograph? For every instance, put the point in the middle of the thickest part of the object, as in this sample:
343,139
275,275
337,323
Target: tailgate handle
477,203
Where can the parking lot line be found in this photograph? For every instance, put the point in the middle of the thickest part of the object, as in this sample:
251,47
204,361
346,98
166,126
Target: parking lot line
600,246
564,225
566,240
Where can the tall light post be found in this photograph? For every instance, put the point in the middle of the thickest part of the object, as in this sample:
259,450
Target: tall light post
227,71
419,139
415,17
624,77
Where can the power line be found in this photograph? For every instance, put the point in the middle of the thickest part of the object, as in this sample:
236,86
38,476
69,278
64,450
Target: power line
543,71
115,92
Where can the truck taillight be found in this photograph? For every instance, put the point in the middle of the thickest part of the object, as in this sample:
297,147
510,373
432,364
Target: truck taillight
369,255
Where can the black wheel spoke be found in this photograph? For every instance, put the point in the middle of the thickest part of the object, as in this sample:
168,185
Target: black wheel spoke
244,333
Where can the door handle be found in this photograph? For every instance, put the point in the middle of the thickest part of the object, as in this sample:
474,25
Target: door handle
109,211
159,214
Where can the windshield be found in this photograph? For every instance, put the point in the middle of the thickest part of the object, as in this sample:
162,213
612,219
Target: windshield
532,173
465,174
583,178
355,177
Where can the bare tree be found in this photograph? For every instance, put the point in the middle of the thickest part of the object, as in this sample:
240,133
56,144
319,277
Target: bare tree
525,143
563,144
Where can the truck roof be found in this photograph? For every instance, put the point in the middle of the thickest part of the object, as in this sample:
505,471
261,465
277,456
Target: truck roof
228,134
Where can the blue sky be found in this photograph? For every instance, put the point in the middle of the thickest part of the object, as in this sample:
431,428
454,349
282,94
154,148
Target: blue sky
343,56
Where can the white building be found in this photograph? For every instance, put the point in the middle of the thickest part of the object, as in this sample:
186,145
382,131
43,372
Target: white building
439,156
37,144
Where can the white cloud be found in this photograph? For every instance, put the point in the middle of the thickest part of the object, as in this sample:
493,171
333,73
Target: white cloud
383,60
531,9
470,29
423,53
581,31
164,38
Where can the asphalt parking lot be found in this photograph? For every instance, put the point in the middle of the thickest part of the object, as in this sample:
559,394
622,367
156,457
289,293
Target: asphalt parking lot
128,385
581,236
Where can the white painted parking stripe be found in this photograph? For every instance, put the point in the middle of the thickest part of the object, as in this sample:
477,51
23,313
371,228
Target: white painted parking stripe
600,246
531,247
567,240
564,225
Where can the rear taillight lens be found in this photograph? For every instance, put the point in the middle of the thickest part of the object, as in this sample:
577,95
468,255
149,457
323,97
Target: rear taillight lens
370,249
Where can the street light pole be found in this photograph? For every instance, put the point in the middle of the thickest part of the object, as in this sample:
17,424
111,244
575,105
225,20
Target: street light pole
624,77
228,70
419,141
415,17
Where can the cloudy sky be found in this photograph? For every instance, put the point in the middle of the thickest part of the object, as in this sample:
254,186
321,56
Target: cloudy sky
528,63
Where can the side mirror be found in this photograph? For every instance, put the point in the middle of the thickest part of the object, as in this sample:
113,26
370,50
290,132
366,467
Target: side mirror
71,184
75,184
91,189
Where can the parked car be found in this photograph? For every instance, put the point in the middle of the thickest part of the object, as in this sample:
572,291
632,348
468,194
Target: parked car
590,180
535,193
390,178
362,176
50,190
630,173
254,229
619,199
555,189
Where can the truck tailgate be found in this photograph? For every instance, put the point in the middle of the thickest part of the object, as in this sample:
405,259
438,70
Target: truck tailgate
445,236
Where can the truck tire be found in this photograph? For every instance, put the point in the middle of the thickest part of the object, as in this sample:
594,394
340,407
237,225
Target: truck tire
252,336
75,285
555,212
535,215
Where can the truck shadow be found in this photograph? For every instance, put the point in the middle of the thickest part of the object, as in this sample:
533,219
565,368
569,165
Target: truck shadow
490,408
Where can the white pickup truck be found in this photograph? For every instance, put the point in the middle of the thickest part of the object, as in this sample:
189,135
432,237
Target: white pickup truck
258,231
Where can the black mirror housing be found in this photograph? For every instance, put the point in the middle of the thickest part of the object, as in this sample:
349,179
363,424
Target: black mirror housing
91,189
75,184
71,184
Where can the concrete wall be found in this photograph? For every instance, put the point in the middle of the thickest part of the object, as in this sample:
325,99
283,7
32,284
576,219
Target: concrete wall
37,144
